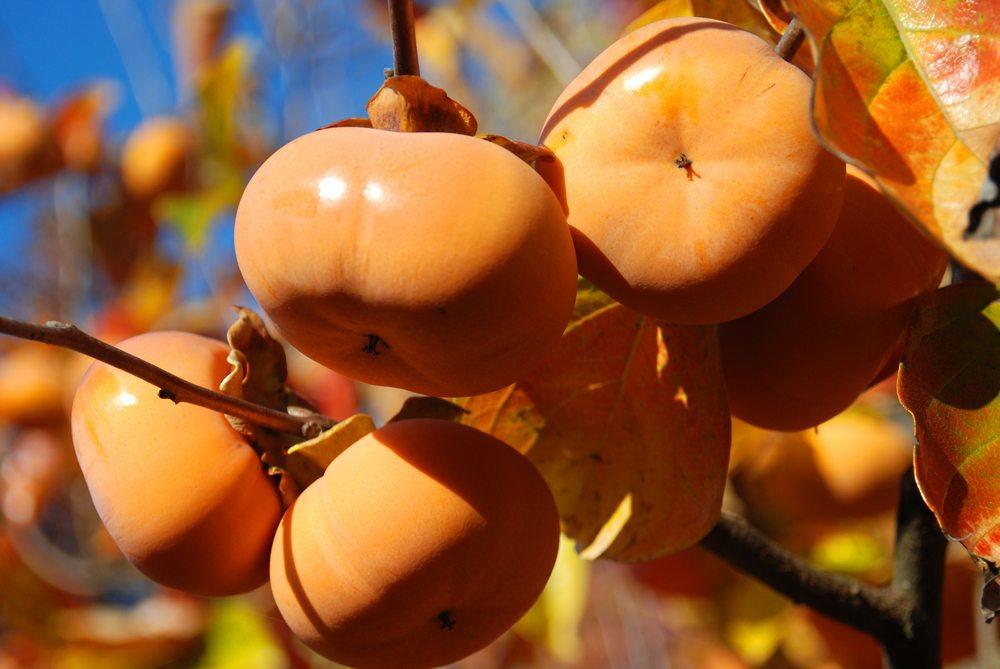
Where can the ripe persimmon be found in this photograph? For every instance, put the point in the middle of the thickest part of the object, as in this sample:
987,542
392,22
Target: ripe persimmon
848,467
694,186
183,495
157,157
421,543
807,355
435,262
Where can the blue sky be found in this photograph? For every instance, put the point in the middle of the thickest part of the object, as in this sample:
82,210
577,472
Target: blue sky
49,49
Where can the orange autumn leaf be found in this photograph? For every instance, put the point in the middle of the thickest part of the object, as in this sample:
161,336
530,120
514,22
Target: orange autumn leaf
950,383
910,91
628,423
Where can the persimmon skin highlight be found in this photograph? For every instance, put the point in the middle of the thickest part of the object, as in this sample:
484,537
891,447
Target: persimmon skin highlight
694,185
807,356
434,262
183,495
421,544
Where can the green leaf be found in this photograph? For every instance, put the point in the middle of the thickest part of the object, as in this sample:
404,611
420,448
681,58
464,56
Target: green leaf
950,382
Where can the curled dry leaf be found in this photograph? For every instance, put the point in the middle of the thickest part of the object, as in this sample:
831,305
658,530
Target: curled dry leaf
410,104
950,382
288,488
259,372
258,375
629,425
911,93
258,367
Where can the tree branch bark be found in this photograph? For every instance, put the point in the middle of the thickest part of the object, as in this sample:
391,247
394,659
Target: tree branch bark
918,578
904,617
876,611
171,387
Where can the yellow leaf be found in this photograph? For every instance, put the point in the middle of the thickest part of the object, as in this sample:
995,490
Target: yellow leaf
554,620
306,461
628,423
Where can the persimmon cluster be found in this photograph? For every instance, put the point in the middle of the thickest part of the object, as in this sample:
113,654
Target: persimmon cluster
679,173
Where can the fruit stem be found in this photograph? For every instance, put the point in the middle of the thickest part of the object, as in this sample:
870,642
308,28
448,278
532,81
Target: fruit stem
171,387
790,40
404,41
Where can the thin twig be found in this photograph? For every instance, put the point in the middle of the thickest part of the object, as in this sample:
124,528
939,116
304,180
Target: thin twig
918,577
879,612
404,41
790,40
171,387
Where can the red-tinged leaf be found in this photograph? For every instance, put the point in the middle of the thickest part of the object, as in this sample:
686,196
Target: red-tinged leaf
910,91
628,423
950,382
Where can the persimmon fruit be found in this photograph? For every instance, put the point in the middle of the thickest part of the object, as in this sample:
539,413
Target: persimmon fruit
694,185
421,543
435,262
807,356
183,495
848,467
157,157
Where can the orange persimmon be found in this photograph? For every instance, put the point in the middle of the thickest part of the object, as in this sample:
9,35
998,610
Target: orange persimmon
183,495
434,262
694,185
421,543
806,356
